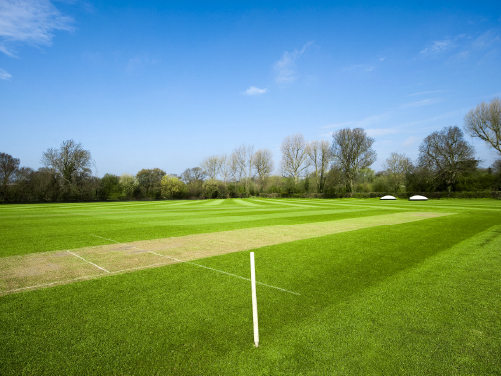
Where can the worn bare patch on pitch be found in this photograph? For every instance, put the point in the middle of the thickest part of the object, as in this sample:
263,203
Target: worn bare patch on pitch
40,268
43,269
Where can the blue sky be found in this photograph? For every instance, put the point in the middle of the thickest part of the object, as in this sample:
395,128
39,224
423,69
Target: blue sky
166,84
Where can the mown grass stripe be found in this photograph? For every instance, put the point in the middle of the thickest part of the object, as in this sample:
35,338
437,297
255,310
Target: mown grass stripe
187,248
223,272
416,298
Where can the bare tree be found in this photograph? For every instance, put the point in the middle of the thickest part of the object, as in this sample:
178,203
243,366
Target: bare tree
70,160
194,179
212,166
294,156
193,175
263,164
397,167
234,166
352,151
226,171
447,155
242,159
484,122
320,155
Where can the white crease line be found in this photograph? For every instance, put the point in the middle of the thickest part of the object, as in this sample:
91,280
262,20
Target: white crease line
79,278
97,266
202,266
220,271
108,239
52,283
138,268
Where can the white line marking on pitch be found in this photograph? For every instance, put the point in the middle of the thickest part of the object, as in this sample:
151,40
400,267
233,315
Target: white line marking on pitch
220,271
79,278
97,266
202,266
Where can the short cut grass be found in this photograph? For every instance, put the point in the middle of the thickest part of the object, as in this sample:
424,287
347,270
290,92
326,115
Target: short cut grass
415,297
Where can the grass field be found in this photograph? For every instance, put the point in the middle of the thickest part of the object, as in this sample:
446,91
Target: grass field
348,287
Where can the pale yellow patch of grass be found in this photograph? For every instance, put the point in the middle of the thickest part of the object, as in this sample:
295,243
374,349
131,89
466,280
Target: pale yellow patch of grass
26,271
42,268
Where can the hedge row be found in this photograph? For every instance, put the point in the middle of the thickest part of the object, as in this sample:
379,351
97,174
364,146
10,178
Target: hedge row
430,195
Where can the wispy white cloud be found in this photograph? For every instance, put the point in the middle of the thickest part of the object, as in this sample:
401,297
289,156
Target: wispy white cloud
363,123
465,45
438,46
411,141
417,125
426,92
424,102
285,67
381,131
367,67
255,91
363,67
462,55
4,75
135,63
5,51
138,62
486,39
30,21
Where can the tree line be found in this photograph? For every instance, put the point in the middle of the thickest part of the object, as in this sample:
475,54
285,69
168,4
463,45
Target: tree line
340,168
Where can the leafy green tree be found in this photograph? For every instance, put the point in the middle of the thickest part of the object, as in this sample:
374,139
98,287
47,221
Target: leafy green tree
365,175
129,185
45,185
150,179
306,184
109,187
335,183
482,179
364,180
193,175
380,183
8,168
22,186
210,188
193,178
172,187
421,179
496,172
232,190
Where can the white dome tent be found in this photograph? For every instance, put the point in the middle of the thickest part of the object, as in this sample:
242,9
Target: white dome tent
388,197
418,198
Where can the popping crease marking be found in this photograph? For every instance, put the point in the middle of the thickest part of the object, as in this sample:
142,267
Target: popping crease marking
79,278
97,266
220,271
201,266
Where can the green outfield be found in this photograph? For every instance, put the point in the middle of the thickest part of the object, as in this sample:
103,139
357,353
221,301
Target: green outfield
345,287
